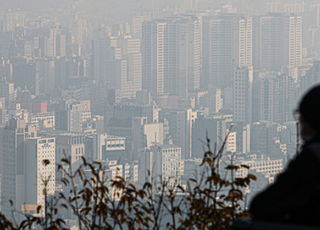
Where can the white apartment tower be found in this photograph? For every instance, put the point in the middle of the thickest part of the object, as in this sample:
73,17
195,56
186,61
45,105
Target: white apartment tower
171,55
277,41
242,94
227,44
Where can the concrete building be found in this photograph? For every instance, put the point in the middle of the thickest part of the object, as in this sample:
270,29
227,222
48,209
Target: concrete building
277,41
212,100
227,44
105,54
231,143
2,110
137,22
130,172
69,116
44,76
276,98
214,128
143,97
104,146
262,164
180,128
124,112
7,91
13,165
243,136
37,174
111,171
144,134
171,55
161,161
42,120
192,170
129,75
34,106
242,94
70,144
310,78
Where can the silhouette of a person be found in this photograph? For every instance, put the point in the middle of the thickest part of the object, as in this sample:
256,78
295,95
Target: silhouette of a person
295,196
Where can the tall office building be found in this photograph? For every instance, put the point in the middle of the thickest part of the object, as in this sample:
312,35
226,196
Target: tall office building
311,78
144,134
2,110
7,91
105,55
277,41
69,116
242,94
180,128
227,44
136,26
12,166
44,76
171,55
104,146
78,30
161,161
129,75
204,128
276,98
61,49
36,173
118,63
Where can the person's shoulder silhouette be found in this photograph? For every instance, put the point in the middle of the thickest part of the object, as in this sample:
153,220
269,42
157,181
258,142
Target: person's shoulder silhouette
294,197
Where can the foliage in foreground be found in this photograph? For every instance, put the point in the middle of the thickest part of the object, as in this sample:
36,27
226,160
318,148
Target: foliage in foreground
213,201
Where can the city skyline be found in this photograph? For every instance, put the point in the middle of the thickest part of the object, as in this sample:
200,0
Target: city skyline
140,85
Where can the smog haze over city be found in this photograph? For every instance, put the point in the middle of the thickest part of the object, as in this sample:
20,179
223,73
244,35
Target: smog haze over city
140,86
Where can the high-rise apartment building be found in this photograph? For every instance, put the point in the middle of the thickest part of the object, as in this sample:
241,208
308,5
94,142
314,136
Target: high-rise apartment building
137,25
78,30
227,44
171,55
276,98
242,94
277,41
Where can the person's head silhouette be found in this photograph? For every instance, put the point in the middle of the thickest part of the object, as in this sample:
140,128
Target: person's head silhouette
309,111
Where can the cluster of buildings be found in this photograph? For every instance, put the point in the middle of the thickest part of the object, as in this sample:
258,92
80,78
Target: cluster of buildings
143,97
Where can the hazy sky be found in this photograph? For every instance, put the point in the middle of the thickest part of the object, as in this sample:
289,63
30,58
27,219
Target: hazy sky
29,4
